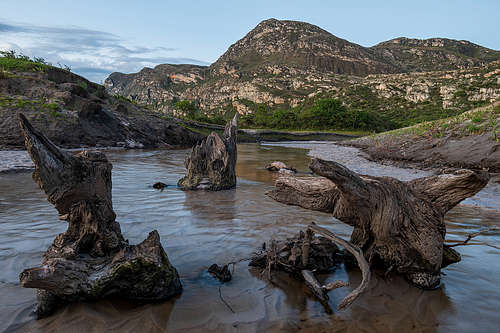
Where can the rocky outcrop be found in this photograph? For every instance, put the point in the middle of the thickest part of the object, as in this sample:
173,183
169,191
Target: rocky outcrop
73,112
159,86
434,54
280,167
211,164
275,43
91,260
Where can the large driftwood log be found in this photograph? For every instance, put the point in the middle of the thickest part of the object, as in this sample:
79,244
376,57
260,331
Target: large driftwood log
398,225
91,259
212,163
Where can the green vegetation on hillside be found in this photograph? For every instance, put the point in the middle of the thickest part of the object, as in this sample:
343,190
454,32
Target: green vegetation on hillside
475,122
9,104
10,60
325,114
191,112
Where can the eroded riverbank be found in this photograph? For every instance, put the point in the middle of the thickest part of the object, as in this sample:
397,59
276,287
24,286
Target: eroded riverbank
199,228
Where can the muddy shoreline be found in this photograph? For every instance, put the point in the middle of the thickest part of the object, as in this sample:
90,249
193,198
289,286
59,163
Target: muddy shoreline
471,153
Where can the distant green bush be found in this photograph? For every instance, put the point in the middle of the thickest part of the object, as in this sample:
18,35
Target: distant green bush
125,99
101,92
4,74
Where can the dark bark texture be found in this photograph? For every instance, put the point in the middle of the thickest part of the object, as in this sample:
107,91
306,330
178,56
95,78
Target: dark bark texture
91,260
212,163
398,225
302,252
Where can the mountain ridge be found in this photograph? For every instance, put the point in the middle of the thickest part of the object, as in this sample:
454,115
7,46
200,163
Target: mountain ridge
284,63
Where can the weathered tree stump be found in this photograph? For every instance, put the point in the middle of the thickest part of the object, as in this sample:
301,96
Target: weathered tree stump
91,260
398,225
212,163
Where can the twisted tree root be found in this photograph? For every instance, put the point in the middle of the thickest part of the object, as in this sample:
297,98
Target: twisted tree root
358,254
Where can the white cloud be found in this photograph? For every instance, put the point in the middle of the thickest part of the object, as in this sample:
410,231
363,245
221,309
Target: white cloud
93,54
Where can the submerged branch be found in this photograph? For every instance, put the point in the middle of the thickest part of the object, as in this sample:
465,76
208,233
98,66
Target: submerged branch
358,254
224,301
475,234
316,288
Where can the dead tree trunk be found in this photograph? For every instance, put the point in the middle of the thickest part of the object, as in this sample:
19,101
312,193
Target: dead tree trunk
91,260
212,163
398,225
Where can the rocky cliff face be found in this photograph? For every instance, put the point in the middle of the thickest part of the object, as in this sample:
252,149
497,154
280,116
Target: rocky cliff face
157,86
285,64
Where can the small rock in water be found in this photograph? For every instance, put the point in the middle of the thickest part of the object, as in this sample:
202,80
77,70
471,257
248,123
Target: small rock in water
159,186
281,167
276,166
221,273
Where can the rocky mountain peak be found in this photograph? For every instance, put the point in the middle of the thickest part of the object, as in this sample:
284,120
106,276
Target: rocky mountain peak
300,45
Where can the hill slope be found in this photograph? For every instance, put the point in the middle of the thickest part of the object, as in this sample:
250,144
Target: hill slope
290,64
423,55
74,112
298,45
469,140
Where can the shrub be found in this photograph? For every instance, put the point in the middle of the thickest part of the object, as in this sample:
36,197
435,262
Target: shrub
10,60
84,85
125,99
4,74
101,92
187,108
283,119
324,114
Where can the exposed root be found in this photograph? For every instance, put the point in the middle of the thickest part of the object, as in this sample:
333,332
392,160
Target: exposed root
358,254
318,291
335,285
305,254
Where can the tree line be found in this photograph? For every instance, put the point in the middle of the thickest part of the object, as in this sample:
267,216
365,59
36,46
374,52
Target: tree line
324,114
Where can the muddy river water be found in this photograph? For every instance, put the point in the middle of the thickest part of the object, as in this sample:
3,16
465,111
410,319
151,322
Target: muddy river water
201,228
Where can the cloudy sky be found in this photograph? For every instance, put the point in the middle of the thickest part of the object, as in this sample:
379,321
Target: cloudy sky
96,38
